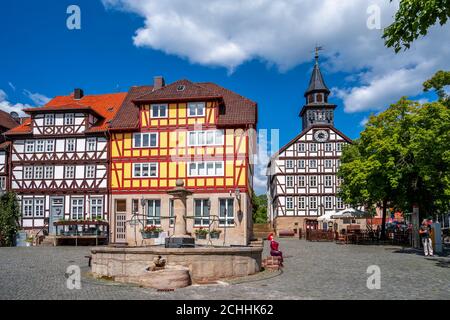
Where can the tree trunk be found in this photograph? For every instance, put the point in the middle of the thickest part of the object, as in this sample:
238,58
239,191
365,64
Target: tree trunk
383,221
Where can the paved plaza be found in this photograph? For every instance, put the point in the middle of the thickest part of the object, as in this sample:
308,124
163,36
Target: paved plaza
312,271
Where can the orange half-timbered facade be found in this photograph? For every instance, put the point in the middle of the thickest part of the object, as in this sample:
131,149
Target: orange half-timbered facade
200,133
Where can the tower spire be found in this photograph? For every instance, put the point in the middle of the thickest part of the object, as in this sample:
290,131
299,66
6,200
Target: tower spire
316,56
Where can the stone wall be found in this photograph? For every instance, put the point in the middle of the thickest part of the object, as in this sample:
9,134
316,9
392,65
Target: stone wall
205,264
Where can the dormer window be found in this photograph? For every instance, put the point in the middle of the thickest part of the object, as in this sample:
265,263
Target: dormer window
196,109
49,119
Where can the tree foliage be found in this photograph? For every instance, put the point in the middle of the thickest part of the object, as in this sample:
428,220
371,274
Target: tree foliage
413,19
9,219
259,208
402,158
438,82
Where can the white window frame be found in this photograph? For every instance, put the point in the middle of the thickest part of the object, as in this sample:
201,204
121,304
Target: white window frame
77,208
313,164
289,164
49,120
313,202
27,208
339,146
50,145
194,169
301,147
138,170
301,164
196,105
194,138
339,203
96,207
91,144
152,217
328,202
289,181
29,146
39,172
226,220
328,181
49,172
28,173
2,183
40,145
39,207
159,106
90,171
141,140
328,147
71,142
313,147
203,217
289,203
302,202
311,180
71,170
69,119
328,163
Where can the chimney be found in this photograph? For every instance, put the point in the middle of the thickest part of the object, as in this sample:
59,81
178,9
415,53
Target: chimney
158,82
78,93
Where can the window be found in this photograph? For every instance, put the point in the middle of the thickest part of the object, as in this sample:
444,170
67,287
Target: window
39,207
196,109
338,163
201,212
209,168
135,206
49,119
49,172
77,208
171,213
38,172
328,181
145,170
302,203
289,164
27,207
301,181
96,207
29,146
328,202
205,138
328,163
301,147
159,110
69,172
50,145
90,172
39,145
145,140
2,183
226,212
289,203
289,181
339,203
69,119
313,181
91,144
28,175
154,212
312,202
313,147
313,163
70,145
301,164
121,205
328,147
339,146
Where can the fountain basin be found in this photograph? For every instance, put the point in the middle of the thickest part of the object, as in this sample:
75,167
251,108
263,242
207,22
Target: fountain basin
203,263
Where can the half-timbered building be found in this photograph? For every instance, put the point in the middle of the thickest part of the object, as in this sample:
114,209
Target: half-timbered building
302,181
200,133
7,122
59,159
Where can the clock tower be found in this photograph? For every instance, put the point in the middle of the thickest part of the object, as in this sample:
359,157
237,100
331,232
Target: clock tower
317,110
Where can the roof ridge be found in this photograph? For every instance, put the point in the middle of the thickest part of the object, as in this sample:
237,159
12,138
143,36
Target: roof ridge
241,96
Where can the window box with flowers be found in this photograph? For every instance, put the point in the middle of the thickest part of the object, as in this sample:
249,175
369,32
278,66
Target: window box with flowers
215,234
151,232
201,233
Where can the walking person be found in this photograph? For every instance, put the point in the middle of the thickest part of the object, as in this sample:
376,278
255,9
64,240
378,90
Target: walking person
424,233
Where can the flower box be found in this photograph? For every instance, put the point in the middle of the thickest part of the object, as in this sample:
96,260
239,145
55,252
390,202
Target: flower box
200,236
214,235
150,235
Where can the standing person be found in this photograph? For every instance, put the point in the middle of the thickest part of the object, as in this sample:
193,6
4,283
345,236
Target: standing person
274,252
424,233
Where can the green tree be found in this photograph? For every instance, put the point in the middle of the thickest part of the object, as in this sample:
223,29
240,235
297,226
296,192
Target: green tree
402,158
438,82
9,219
259,204
413,19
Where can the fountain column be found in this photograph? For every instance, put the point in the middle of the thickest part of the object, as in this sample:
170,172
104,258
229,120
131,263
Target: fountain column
180,238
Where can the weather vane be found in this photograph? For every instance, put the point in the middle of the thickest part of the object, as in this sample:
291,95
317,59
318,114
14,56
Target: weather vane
316,50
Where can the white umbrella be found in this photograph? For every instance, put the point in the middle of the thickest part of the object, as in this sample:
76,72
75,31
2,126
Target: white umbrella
327,216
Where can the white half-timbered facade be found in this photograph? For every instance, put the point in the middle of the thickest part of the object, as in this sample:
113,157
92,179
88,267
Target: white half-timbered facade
7,121
59,159
302,182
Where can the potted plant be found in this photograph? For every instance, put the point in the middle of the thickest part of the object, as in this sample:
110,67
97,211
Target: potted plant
201,233
151,232
215,234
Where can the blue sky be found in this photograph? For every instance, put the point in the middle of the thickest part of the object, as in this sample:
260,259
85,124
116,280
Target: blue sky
41,58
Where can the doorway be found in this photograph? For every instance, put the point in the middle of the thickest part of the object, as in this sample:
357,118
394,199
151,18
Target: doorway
56,213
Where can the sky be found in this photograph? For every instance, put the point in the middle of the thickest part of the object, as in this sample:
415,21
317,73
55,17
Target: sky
261,49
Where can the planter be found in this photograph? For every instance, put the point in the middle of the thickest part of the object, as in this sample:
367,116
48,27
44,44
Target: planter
150,235
215,235
201,236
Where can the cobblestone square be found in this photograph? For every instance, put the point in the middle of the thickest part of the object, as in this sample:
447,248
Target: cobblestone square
312,270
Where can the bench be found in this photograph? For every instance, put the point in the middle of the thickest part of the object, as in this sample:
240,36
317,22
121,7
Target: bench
271,263
286,233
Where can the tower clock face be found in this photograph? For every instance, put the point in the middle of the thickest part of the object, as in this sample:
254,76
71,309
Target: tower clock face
321,135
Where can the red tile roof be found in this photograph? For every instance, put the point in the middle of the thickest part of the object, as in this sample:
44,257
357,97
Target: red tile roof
237,110
6,121
105,106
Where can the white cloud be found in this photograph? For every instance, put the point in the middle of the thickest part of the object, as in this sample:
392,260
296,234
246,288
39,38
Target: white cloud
11,85
37,98
363,121
284,32
7,106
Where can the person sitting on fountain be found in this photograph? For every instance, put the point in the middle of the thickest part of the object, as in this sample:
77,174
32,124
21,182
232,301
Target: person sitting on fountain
274,252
